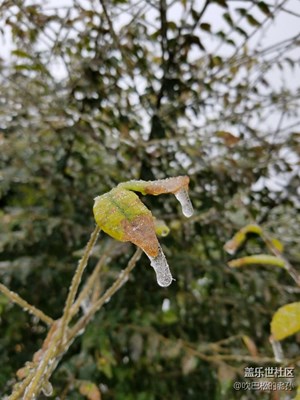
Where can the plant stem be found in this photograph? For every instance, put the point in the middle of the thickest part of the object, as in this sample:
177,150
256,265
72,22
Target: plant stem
106,296
47,361
34,381
77,279
15,298
89,284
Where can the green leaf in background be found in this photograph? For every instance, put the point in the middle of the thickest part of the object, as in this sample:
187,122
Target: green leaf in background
286,321
161,229
257,259
239,238
160,186
264,8
277,244
252,21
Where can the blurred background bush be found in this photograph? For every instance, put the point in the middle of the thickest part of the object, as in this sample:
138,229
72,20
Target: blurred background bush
94,93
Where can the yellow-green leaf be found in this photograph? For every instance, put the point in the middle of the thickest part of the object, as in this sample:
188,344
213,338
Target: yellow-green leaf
277,244
239,238
257,259
297,394
286,321
161,229
121,214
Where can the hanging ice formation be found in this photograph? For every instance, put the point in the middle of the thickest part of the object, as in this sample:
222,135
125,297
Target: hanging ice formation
161,268
159,263
183,197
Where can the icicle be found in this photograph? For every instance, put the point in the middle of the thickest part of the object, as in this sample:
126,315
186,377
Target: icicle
183,197
277,350
161,268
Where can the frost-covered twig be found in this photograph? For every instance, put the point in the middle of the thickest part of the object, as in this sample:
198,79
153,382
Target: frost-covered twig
47,361
56,345
119,282
209,352
15,298
77,279
89,284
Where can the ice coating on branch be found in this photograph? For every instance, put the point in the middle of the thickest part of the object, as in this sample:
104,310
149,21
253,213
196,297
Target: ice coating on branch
161,268
183,197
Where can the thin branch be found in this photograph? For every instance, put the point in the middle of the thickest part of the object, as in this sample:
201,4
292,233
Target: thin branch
90,282
15,298
39,375
77,279
200,15
119,282
44,366
211,358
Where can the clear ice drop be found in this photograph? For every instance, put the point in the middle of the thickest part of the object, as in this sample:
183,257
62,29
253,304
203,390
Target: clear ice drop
183,197
277,350
161,268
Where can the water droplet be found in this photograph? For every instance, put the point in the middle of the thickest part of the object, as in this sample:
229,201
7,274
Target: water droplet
183,197
161,268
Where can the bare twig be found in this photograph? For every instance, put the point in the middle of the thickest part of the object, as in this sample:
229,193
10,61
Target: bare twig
58,345
67,315
119,282
15,298
90,283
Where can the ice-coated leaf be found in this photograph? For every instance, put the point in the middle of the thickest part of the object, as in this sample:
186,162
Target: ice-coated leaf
121,214
257,259
286,321
177,185
160,186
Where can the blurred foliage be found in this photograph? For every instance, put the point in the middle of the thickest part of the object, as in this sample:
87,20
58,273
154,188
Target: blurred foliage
96,93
